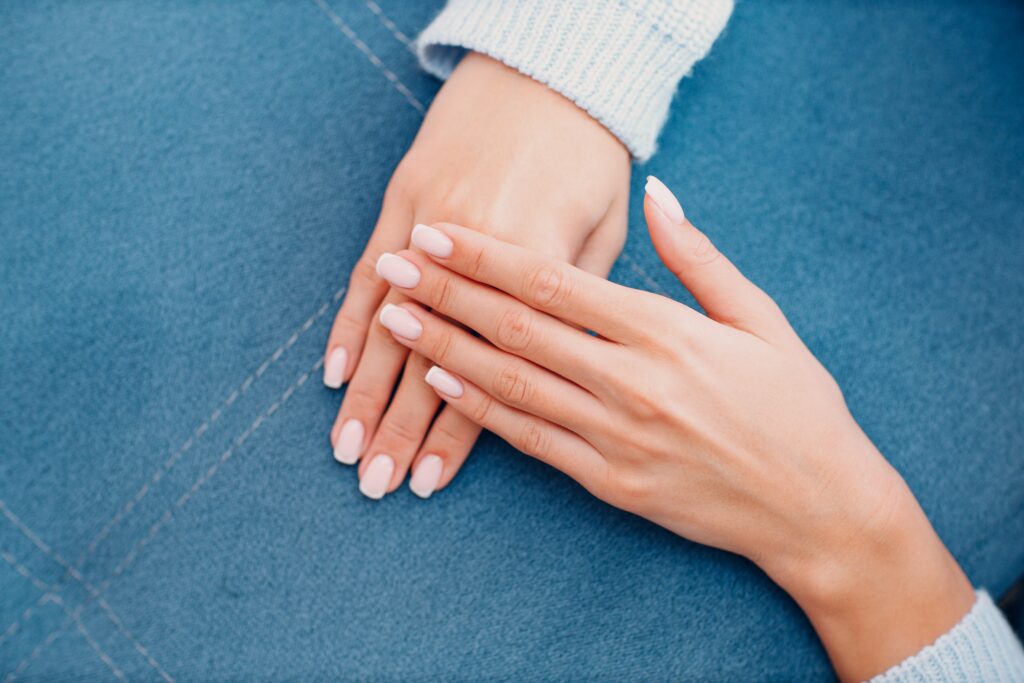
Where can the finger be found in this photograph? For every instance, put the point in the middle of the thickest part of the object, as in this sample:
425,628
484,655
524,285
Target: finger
718,286
506,322
368,392
443,452
540,282
363,295
513,380
604,245
528,433
400,432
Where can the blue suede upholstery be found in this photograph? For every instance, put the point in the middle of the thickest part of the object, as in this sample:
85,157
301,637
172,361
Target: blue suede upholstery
184,187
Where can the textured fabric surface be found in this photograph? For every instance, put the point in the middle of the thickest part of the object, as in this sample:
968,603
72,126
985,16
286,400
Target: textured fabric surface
980,649
618,60
184,187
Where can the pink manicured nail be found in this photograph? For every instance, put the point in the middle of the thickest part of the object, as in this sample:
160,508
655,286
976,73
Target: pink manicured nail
444,381
426,476
432,241
377,476
349,445
401,322
398,271
665,200
334,368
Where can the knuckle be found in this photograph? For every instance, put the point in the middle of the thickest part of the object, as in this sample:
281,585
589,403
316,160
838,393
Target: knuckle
481,411
549,285
442,294
347,325
450,437
369,400
533,439
630,489
401,430
515,329
511,386
704,251
441,348
475,262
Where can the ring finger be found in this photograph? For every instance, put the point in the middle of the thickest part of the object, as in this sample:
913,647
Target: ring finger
511,379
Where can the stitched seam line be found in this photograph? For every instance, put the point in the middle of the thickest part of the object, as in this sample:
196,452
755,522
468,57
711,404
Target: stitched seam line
72,572
390,25
166,517
50,593
48,597
374,59
202,429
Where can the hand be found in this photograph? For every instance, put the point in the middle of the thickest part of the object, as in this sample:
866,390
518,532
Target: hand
504,153
722,428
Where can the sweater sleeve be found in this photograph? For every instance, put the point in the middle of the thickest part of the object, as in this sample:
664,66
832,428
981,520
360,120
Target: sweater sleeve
980,649
619,60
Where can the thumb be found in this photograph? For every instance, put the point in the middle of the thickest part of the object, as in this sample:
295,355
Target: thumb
718,286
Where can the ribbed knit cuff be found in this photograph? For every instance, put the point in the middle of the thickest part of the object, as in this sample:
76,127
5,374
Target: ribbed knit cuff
980,649
619,60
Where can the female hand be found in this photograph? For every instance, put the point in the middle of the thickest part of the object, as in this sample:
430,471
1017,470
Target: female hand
720,427
511,157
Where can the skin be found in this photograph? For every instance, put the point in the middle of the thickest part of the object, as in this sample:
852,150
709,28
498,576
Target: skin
501,152
722,428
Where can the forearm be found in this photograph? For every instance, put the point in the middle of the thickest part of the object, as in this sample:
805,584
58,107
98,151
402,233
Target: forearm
885,596
886,593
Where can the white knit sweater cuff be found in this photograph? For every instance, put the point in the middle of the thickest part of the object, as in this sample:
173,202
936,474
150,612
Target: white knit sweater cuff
980,649
619,60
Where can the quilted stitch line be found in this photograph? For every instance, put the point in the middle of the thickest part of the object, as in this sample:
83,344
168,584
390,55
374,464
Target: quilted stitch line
167,516
71,571
50,593
390,25
49,597
374,59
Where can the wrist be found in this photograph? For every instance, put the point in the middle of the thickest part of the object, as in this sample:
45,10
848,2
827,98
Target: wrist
882,588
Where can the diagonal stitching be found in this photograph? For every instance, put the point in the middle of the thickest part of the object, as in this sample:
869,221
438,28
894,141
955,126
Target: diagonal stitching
94,645
390,25
203,428
49,597
50,593
71,571
374,59
167,516
23,570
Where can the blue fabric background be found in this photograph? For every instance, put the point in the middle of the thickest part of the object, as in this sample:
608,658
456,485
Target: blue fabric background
183,189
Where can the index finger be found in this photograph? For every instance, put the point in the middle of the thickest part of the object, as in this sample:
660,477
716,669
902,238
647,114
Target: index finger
539,281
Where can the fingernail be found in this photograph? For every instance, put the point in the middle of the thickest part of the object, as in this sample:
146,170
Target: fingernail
334,368
349,445
398,271
426,476
432,241
444,381
377,476
401,322
665,200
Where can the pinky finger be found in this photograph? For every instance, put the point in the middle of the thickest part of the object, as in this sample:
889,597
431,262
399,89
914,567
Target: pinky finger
548,442
443,452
